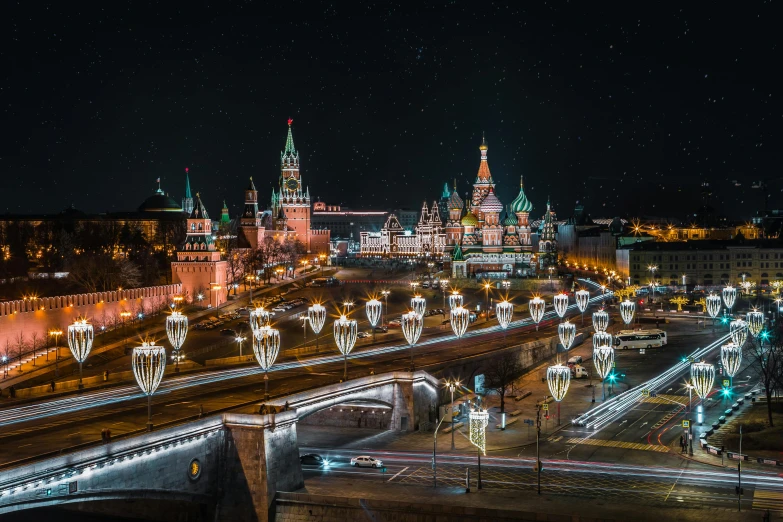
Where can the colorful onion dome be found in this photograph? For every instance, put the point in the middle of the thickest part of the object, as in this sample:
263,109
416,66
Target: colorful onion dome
469,220
521,204
511,220
491,203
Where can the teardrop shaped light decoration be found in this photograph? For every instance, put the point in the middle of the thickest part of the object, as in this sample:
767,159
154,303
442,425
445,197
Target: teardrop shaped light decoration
412,323
149,363
460,319
558,378
582,299
713,305
702,378
567,333
177,329
536,307
731,358
739,332
80,337
602,339
504,311
455,299
729,296
373,307
627,311
560,302
345,331
266,346
479,419
259,318
316,316
419,305
603,360
755,320
600,321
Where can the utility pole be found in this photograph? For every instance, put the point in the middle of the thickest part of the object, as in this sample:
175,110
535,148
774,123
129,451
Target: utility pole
538,454
739,475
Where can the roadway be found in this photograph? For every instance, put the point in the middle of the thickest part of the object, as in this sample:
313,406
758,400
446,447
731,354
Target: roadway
70,421
691,484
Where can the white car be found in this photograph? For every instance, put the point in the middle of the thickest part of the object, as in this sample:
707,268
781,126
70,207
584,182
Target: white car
279,308
366,462
362,335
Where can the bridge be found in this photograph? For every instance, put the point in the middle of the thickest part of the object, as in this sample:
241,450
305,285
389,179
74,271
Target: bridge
225,467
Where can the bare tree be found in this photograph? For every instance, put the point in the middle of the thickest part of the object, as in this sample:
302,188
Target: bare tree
34,337
767,358
20,348
500,373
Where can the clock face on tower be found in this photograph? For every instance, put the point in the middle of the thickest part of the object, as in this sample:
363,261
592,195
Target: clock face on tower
292,184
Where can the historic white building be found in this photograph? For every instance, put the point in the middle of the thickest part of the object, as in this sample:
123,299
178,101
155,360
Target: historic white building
427,240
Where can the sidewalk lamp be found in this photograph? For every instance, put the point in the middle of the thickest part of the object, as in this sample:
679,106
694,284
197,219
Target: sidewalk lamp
755,320
149,363
80,336
600,321
567,333
487,285
176,330
652,269
536,307
266,347
412,324
344,332
240,339
452,385
455,299
419,304
373,308
478,435
731,358
627,311
259,318
582,298
739,332
729,297
56,333
385,294
504,311
558,378
702,377
713,304
560,303
603,362
279,271
316,316
460,317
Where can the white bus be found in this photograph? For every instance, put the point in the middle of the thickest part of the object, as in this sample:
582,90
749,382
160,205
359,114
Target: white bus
638,340
664,339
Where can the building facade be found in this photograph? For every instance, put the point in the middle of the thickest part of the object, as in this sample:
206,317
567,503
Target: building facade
704,263
427,241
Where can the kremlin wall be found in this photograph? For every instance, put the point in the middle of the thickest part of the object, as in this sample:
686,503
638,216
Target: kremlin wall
37,316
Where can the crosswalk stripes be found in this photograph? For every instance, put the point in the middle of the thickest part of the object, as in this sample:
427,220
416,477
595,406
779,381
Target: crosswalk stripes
765,499
665,419
617,444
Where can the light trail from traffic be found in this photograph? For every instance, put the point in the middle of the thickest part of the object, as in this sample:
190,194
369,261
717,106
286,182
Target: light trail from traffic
121,394
609,411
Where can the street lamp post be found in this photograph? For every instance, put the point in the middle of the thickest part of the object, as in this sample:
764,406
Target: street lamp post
652,269
385,294
452,385
80,336
304,319
240,339
56,334
149,363
487,286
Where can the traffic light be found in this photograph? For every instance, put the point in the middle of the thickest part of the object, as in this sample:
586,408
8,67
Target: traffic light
726,392
724,320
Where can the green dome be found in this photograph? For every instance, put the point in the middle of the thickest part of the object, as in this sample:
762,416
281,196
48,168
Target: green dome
469,220
511,220
521,204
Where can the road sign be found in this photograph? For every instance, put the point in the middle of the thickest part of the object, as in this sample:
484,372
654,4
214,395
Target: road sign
686,424
545,407
529,421
725,383
645,393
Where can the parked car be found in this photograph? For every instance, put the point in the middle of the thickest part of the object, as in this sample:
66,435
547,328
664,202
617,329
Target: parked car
366,462
228,331
313,459
396,323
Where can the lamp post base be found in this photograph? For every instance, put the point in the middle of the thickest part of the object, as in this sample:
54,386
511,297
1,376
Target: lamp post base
149,425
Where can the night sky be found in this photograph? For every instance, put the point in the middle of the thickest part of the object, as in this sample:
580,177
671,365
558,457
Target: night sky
627,107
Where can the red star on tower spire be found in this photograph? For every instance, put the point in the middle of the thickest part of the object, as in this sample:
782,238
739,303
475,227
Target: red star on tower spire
290,121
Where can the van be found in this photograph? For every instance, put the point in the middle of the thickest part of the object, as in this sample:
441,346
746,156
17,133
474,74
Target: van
579,372
576,359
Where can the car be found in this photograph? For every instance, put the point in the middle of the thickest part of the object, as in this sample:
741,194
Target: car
425,284
576,359
313,459
382,329
362,335
279,308
228,331
366,462
396,323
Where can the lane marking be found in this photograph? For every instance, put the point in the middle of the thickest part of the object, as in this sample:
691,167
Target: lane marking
395,475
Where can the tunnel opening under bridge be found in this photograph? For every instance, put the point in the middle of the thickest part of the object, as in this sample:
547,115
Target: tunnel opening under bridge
367,414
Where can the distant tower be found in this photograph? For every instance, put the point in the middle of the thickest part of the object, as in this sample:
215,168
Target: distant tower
483,182
224,217
250,227
547,241
292,199
198,266
187,201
